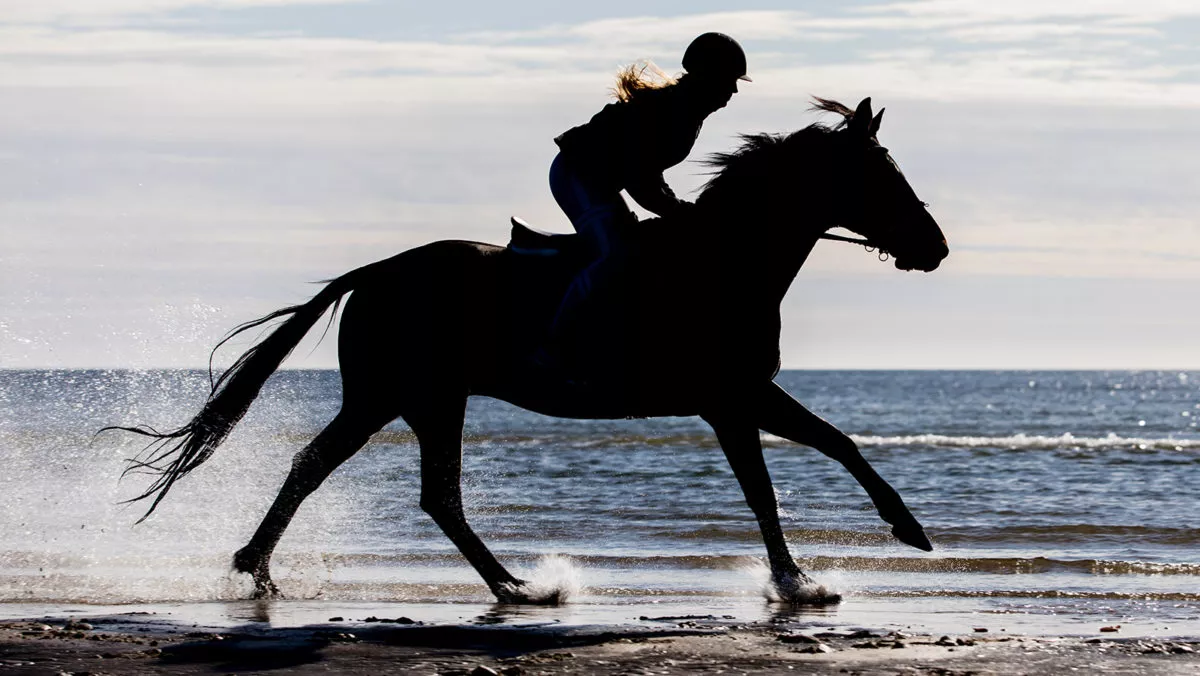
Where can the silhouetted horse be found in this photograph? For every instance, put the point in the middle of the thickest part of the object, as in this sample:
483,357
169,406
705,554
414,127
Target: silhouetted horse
426,329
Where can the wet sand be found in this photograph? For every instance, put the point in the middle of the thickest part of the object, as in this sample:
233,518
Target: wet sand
143,643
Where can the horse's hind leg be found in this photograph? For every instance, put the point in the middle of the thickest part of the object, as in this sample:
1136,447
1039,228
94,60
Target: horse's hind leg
340,439
438,424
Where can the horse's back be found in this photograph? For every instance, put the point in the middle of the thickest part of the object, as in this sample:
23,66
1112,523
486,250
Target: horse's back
450,308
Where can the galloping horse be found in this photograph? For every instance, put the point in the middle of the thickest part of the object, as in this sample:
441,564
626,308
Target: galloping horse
430,327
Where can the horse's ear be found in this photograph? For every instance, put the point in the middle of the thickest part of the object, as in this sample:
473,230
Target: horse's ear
873,129
862,117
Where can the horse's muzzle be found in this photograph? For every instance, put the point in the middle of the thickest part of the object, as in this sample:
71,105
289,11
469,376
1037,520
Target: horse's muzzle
925,261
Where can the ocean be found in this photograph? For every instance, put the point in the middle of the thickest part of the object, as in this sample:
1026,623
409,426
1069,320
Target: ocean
1057,502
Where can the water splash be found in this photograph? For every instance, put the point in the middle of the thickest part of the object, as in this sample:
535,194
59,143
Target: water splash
553,582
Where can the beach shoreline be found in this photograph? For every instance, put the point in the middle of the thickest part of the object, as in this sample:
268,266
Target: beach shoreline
144,643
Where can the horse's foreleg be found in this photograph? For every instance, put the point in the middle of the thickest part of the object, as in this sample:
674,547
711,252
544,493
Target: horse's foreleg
439,431
344,435
743,448
779,414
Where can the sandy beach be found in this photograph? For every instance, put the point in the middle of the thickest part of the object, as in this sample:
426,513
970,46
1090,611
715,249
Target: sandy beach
143,643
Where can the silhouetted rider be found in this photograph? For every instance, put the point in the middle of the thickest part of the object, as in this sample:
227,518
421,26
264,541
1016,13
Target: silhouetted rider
628,144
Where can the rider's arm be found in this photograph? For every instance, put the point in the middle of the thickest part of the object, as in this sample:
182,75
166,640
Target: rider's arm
652,193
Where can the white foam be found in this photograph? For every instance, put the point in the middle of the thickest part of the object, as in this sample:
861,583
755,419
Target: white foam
1019,441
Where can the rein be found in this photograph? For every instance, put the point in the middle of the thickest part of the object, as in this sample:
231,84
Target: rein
867,244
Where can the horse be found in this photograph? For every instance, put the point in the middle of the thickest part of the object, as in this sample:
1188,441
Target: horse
698,336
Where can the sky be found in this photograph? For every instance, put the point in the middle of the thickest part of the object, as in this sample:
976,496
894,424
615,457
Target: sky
171,168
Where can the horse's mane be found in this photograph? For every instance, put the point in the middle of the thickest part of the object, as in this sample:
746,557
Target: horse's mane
760,153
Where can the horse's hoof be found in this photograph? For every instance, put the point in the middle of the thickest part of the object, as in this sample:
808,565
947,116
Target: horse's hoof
801,590
913,535
520,593
265,591
264,587
512,593
905,526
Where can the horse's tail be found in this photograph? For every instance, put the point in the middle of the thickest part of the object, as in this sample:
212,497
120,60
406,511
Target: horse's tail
173,454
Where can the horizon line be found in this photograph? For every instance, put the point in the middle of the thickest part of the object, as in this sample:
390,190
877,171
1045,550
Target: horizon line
1033,369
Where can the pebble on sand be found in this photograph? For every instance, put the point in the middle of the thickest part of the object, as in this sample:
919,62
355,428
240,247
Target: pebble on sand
388,620
72,625
815,649
797,638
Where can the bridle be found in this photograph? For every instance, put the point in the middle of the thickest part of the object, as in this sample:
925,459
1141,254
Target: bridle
867,244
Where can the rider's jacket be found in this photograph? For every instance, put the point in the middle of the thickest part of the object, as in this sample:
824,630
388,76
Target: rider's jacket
628,145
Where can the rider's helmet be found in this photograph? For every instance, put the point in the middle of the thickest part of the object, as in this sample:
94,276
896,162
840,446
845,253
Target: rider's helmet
715,54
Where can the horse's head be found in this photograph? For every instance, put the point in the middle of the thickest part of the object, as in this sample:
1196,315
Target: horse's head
834,176
874,198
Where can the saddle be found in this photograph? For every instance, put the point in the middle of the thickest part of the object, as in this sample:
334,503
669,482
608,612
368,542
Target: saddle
528,241
558,350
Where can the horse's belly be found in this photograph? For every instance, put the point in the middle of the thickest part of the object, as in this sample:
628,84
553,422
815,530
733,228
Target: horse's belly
553,396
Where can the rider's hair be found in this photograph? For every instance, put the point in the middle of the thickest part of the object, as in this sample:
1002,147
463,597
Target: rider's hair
639,77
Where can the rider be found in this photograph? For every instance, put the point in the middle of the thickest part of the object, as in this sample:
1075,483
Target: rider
627,145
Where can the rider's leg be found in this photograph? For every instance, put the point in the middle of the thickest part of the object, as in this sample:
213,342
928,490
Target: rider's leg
592,209
596,214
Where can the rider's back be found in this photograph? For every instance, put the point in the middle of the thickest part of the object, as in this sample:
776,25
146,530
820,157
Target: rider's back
629,140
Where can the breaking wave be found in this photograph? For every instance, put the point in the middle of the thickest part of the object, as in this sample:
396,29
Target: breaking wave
608,440
1031,442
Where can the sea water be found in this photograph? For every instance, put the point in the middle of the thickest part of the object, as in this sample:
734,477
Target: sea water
1057,502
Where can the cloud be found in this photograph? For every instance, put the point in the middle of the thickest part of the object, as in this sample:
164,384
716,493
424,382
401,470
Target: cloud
101,12
1143,11
937,50
661,31
137,56
1018,32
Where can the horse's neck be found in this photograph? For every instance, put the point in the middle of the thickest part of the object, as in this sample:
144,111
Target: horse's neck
765,234
766,248
758,246
784,272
